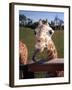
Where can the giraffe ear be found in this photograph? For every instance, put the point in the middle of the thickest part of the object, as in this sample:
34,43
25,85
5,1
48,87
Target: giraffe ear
47,22
40,22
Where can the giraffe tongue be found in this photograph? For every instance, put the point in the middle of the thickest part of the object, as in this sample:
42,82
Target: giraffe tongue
34,55
41,61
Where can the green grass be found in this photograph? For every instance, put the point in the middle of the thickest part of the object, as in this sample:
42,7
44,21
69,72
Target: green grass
58,39
27,36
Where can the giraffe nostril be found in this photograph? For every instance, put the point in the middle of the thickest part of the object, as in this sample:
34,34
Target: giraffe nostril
39,41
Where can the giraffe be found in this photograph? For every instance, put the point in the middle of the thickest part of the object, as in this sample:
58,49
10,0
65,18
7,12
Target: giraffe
43,35
23,53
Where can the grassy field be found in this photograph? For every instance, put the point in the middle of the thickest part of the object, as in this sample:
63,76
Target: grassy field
58,39
27,36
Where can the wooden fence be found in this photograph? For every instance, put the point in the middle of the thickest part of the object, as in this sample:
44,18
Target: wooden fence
53,68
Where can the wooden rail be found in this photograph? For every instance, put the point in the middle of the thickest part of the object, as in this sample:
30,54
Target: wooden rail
51,66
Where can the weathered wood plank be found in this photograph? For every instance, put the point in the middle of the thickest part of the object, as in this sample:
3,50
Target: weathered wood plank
46,67
58,60
50,66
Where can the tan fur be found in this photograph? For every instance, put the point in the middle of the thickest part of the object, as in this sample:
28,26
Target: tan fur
23,53
44,40
52,52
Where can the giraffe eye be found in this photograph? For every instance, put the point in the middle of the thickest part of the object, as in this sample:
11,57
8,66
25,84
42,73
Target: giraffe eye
50,32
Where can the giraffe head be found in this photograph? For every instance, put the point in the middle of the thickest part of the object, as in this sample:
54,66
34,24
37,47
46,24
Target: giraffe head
43,34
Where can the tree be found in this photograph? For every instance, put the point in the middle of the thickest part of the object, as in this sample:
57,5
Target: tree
29,21
58,23
61,23
52,23
22,20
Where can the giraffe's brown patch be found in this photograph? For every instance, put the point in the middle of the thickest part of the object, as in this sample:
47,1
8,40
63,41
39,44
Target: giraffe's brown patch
23,53
52,52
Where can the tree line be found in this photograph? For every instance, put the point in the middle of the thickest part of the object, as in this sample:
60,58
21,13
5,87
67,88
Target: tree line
56,24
